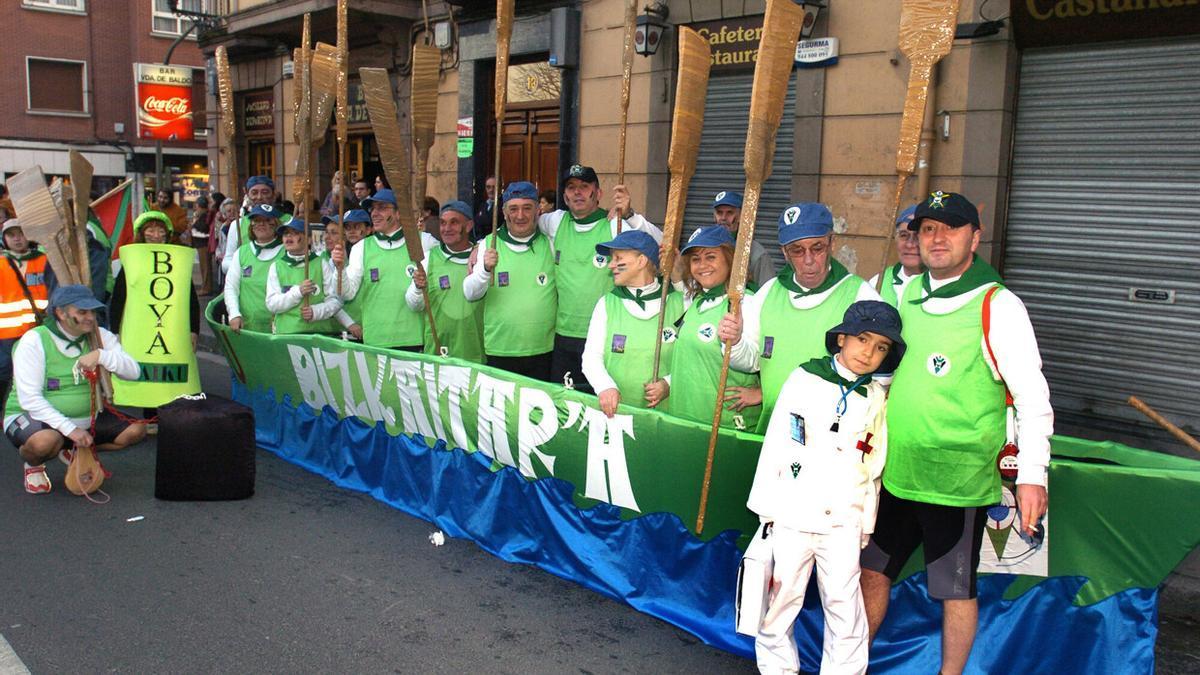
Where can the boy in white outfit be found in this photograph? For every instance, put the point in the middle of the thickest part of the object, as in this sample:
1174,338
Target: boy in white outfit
817,486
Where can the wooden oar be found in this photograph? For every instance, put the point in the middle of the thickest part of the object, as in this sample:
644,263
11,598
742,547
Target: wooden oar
1163,422
504,21
228,122
423,98
304,125
626,77
393,152
776,56
926,35
342,115
691,88
81,188
323,70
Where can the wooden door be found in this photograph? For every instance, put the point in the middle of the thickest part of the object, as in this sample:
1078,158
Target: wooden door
530,147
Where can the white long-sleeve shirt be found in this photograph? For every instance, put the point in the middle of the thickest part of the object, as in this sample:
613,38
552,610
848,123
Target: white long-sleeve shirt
233,282
810,478
280,301
413,295
747,351
597,337
548,223
1020,364
353,270
29,376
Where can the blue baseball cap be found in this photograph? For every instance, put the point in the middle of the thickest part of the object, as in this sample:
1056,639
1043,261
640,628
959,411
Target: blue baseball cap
711,236
906,216
265,211
259,180
804,221
294,224
950,208
521,189
384,196
74,294
871,316
728,198
631,240
458,206
356,216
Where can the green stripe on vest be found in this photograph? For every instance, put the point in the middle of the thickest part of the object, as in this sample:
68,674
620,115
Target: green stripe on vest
583,275
520,307
696,369
629,346
946,418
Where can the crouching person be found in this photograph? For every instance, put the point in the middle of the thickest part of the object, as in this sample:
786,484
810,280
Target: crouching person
49,413
816,487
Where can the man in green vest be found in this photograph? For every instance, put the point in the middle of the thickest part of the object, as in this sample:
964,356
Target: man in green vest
520,307
947,423
378,273
287,287
50,411
246,284
783,324
260,190
727,211
583,276
459,321
896,277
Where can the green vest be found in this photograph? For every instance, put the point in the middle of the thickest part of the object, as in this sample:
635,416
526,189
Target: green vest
386,319
887,289
155,328
945,415
696,369
629,346
58,387
244,236
583,275
291,273
252,294
459,322
793,336
352,307
520,306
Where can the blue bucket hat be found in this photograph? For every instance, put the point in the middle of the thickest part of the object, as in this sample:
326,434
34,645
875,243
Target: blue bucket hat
804,221
871,316
906,216
728,198
259,180
74,294
711,236
521,189
631,240
265,211
384,196
458,206
295,224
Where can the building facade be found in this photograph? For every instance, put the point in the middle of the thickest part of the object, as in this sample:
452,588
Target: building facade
1059,123
70,78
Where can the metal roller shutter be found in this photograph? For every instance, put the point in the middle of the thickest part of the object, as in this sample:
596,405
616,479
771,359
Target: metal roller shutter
1103,240
722,146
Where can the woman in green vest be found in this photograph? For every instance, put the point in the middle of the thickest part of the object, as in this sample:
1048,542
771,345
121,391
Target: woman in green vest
459,321
691,388
355,224
287,287
246,283
618,356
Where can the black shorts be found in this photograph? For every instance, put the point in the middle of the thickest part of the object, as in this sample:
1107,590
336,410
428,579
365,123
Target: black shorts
951,536
108,427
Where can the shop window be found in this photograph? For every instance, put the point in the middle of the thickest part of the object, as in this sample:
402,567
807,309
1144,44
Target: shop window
57,5
168,23
56,86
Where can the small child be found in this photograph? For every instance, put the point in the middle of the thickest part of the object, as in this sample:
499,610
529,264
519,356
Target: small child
817,486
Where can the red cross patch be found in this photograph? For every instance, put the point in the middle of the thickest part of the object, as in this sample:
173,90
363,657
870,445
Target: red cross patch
865,444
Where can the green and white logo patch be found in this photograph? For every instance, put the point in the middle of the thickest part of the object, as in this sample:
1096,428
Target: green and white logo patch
938,364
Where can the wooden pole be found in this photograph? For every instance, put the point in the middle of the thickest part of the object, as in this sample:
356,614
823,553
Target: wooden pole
304,119
1163,422
504,20
343,115
626,77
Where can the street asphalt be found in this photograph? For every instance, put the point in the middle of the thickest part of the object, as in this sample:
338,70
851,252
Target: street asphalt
306,577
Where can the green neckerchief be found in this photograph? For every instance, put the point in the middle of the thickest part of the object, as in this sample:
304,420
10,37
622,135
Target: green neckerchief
461,255
504,236
896,280
978,274
33,252
640,298
823,368
271,244
711,294
787,278
392,238
598,214
77,343
294,262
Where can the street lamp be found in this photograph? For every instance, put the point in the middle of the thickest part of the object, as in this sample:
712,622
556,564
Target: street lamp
650,25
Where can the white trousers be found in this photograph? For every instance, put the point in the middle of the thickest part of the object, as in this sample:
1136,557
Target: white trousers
846,638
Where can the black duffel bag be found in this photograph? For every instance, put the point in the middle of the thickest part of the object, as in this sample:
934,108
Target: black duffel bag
205,450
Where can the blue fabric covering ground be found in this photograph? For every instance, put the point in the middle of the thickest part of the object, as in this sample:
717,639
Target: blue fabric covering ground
655,565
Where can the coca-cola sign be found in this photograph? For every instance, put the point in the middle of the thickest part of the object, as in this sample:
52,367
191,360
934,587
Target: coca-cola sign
164,96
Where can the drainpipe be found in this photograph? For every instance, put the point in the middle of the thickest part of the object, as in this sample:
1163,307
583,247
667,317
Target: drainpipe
925,148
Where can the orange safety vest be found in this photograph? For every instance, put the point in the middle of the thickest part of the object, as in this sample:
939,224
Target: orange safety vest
16,316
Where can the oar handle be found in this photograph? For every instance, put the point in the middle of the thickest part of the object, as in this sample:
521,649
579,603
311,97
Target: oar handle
1163,422
437,345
